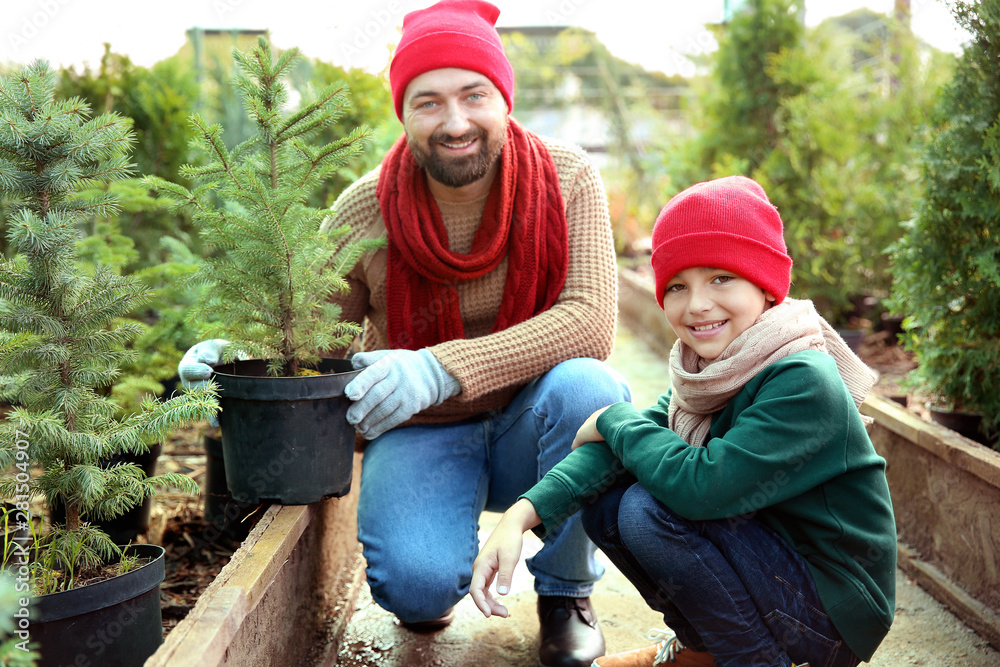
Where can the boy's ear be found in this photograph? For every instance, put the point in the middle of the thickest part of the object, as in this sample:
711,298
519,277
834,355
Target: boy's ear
770,297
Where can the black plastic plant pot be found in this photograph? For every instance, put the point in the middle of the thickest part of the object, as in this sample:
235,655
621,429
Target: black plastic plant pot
226,515
113,623
126,527
286,440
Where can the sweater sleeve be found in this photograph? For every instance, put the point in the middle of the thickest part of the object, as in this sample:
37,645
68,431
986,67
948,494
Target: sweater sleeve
581,477
791,412
582,321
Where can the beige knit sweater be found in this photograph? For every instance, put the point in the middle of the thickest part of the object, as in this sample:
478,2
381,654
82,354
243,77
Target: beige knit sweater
492,367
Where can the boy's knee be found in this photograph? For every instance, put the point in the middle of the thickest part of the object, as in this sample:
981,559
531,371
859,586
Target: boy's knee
594,521
639,511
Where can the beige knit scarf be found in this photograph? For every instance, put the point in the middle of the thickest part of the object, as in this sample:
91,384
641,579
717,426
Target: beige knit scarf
701,387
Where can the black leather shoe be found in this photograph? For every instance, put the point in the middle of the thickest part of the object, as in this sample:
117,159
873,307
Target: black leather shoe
432,625
570,634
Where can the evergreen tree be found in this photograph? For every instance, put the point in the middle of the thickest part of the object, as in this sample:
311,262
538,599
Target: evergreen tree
947,265
61,331
813,117
270,289
157,101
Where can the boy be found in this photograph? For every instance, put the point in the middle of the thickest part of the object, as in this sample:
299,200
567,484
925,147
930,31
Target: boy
749,505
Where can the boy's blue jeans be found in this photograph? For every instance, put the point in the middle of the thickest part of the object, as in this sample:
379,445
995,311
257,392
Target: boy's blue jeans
731,586
424,487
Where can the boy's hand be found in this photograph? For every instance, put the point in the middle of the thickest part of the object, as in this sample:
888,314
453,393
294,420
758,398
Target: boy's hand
588,432
499,556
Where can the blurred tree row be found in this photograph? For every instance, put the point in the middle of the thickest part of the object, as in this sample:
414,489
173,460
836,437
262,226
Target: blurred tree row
830,121
946,266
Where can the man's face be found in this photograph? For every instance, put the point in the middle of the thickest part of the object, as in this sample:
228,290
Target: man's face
456,124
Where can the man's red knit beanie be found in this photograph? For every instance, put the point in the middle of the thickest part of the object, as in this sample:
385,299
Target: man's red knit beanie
451,33
727,223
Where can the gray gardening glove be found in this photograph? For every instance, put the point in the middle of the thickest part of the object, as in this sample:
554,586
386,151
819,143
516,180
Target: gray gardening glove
394,386
195,367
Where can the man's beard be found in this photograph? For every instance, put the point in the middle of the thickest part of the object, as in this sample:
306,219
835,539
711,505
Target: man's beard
459,172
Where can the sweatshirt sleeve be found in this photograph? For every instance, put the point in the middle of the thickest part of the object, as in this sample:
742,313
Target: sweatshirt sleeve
578,479
792,411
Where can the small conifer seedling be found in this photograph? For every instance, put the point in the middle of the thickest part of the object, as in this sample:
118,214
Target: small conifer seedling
271,285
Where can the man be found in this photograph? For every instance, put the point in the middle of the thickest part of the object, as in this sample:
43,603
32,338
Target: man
486,318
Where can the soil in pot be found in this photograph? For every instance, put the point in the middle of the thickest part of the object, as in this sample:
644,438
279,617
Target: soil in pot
286,440
114,623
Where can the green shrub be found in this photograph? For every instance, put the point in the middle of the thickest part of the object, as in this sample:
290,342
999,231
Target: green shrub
947,266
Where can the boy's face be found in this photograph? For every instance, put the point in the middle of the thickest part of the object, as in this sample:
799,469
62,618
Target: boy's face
709,308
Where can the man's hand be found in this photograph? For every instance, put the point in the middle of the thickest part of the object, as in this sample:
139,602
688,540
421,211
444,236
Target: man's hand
588,432
394,386
499,557
195,367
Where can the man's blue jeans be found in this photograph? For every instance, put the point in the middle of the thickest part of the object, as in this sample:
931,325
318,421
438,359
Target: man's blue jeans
424,487
732,586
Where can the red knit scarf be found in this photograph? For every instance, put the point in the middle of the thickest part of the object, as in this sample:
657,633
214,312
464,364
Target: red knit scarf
523,220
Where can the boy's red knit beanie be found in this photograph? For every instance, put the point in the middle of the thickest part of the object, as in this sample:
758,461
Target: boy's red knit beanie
727,223
451,33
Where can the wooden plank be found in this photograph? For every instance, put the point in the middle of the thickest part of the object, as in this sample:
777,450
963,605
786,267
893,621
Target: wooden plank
973,613
254,566
942,442
204,635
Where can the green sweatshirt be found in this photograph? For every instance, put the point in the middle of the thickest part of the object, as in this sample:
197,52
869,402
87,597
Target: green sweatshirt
791,450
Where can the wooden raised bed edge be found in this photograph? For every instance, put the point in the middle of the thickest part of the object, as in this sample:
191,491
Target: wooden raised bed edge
638,310
285,597
946,498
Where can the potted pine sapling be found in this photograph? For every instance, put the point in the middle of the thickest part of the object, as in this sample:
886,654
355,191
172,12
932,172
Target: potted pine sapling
64,333
285,437
107,247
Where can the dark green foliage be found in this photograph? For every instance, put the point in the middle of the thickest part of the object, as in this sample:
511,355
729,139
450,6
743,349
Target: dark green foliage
371,105
748,94
158,101
947,266
270,288
62,333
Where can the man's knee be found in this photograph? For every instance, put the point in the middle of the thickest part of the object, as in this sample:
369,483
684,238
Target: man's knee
416,594
584,385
